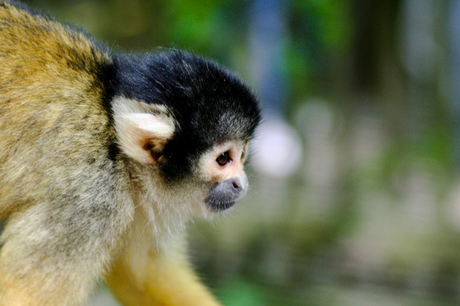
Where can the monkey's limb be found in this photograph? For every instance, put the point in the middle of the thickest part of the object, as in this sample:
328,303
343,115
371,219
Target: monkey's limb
144,275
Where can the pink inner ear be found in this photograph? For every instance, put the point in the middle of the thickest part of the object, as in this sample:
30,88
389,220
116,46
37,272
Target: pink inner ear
142,129
143,135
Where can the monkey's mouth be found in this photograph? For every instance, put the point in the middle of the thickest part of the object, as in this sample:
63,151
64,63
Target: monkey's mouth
219,204
225,194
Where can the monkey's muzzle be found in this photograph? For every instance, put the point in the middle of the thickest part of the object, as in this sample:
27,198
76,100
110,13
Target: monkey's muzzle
225,194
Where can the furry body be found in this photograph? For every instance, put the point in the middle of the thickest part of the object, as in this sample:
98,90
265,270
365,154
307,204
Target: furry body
101,160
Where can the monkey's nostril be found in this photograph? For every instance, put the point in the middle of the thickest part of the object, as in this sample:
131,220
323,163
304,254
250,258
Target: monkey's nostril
235,185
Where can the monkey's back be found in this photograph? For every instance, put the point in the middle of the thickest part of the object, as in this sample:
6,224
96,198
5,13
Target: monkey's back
53,121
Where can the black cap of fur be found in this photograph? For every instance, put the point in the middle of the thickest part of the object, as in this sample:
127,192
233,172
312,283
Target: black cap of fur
210,105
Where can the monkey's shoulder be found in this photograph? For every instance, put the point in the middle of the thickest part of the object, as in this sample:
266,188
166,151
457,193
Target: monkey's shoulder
34,43
48,68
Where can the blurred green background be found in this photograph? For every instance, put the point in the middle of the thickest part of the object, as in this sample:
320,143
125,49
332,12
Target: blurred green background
371,214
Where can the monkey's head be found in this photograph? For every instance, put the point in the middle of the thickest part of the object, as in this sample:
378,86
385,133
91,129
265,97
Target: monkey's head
187,121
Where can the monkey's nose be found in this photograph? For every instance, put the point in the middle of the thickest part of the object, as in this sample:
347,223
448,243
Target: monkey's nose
236,184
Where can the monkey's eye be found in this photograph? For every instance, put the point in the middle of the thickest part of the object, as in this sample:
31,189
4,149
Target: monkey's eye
223,158
243,154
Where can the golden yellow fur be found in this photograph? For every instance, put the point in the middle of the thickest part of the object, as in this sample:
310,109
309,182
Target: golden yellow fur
45,80
54,134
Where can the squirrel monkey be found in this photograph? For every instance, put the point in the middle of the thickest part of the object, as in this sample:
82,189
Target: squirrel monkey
104,157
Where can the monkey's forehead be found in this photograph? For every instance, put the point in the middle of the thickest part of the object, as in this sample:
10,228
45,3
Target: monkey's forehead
216,128
207,130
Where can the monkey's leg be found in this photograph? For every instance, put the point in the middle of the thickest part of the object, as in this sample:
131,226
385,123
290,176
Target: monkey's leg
145,276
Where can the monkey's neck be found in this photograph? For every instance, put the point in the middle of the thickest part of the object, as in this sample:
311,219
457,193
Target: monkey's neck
161,212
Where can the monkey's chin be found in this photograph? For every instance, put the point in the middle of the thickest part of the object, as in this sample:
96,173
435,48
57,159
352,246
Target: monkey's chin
219,205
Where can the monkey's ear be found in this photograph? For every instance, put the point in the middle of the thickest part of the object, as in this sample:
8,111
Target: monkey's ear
142,136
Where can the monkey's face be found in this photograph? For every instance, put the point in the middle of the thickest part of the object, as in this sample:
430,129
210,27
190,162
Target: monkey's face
211,177
190,120
222,167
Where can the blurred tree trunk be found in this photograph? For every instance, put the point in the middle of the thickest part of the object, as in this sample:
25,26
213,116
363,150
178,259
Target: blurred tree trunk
374,68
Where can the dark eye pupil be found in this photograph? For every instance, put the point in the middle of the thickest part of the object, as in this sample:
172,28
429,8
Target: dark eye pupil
223,159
